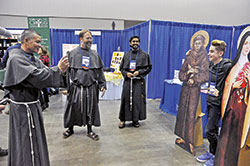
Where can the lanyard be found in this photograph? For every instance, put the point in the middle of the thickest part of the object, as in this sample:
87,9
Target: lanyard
132,63
210,77
81,51
131,55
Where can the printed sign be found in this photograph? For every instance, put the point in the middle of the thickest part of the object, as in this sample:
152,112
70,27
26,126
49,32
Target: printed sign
116,60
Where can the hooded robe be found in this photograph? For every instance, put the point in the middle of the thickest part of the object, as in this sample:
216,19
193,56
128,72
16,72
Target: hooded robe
24,78
83,89
144,66
190,95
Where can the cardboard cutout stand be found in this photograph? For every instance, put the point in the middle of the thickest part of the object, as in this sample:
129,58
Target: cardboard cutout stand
193,73
234,141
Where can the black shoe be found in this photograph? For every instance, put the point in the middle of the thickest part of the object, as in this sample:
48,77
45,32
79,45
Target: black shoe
121,124
43,107
3,152
68,133
136,124
47,105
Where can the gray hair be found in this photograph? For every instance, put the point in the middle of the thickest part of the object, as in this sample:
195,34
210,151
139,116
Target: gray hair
29,34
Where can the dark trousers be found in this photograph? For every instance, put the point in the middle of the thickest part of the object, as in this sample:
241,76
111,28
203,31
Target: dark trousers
46,95
212,127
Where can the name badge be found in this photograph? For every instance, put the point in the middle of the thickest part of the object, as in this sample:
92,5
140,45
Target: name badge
211,89
132,65
85,62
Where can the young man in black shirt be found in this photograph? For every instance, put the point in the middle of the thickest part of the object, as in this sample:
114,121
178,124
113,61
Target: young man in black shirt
218,70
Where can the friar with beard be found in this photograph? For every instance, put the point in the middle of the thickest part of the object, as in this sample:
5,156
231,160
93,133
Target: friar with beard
134,66
85,79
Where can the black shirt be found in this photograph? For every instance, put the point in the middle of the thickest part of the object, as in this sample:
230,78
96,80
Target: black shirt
223,70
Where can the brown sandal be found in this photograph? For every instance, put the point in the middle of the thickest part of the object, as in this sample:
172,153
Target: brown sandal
68,133
179,141
191,149
93,136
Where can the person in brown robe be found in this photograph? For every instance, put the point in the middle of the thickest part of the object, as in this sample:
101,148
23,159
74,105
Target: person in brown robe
25,76
135,65
85,78
235,108
193,73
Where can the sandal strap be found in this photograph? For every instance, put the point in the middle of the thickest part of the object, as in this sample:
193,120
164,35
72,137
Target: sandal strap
68,133
93,136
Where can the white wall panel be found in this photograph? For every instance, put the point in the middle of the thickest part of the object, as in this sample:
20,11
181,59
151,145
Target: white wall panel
219,12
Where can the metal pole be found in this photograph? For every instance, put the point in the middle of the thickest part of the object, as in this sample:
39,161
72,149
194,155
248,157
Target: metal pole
231,44
149,36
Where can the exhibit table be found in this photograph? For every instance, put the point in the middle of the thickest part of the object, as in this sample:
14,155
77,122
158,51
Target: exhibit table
114,83
170,100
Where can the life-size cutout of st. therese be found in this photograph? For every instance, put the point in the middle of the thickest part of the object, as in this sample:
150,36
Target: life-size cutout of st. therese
234,141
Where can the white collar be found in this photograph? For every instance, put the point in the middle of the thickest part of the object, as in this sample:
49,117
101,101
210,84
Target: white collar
242,60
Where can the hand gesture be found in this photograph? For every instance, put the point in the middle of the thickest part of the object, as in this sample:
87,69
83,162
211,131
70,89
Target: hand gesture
136,73
129,75
2,107
190,82
216,92
247,74
103,90
63,64
190,69
237,84
64,92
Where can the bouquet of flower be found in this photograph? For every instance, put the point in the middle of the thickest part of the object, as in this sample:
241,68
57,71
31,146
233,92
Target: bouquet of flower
241,76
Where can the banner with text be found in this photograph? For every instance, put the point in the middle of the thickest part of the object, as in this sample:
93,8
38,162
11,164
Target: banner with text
41,25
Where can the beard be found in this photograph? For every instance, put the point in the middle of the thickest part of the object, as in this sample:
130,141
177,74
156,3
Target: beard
134,46
87,45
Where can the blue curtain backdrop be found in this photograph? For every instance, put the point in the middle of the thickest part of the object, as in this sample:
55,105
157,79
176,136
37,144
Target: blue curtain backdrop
59,37
140,30
237,31
169,43
107,42
110,41
66,36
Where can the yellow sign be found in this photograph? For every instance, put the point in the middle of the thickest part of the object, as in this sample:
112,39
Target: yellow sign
116,60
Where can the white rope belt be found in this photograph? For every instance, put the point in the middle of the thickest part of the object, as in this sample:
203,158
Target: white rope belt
30,123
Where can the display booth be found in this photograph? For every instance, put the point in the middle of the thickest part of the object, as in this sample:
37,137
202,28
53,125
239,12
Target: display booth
165,41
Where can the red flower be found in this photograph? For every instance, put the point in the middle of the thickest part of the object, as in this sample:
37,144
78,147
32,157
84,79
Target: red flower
241,76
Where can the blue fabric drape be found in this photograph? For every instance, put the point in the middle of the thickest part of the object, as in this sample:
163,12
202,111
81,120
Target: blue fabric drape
237,32
59,37
66,36
140,30
110,41
169,43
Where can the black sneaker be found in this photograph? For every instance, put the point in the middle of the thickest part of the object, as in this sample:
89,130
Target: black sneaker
3,152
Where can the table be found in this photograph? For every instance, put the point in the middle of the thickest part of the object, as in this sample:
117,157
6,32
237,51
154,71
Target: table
114,84
170,100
